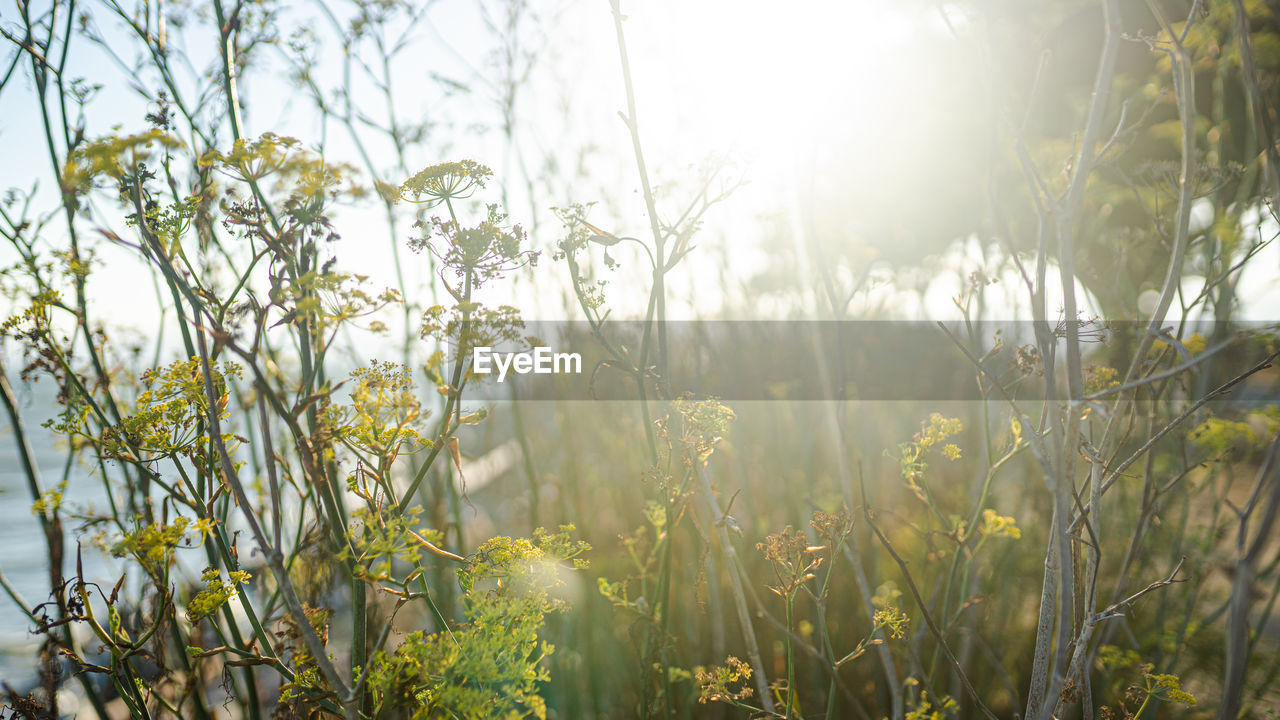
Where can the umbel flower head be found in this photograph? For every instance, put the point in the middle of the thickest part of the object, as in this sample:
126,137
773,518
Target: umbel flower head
446,181
484,251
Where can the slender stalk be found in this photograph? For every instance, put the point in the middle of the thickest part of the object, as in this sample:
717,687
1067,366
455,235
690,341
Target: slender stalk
659,238
732,564
928,619
273,555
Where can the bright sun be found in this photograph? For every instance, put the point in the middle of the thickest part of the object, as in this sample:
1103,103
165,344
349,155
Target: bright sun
764,82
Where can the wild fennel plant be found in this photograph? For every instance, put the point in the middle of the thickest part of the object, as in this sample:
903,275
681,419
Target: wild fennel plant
191,479
1094,537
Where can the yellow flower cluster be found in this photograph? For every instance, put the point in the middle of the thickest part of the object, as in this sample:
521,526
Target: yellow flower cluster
996,525
445,181
893,621
215,593
717,684
153,545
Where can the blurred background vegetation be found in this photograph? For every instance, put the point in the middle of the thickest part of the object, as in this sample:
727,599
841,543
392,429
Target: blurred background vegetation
192,188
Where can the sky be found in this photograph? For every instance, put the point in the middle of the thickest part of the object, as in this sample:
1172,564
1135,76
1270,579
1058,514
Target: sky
779,93
710,85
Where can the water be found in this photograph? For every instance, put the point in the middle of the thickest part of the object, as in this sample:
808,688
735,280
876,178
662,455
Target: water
23,554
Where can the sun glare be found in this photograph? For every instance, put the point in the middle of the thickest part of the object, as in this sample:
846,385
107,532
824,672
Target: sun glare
762,83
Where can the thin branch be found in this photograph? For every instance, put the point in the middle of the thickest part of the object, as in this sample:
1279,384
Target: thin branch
1114,610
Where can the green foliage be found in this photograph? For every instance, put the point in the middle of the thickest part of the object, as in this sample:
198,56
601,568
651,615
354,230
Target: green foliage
933,435
1167,687
169,413
215,594
1219,436
493,665
153,545
383,418
492,670
1126,665
377,540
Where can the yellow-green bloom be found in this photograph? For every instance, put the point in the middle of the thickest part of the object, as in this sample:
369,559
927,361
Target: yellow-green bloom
445,181
215,593
997,525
